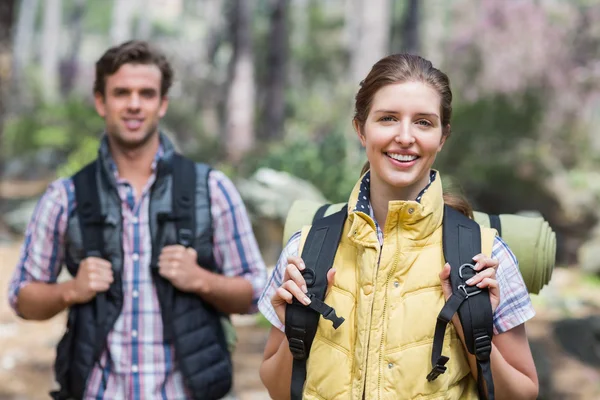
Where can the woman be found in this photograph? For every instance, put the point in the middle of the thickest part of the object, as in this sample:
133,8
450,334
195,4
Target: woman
389,280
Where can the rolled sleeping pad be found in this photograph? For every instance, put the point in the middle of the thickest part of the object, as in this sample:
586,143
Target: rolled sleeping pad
530,238
533,242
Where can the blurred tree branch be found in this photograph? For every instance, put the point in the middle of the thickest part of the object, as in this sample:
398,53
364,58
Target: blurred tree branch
7,12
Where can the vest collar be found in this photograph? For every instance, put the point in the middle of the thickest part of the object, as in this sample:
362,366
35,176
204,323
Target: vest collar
161,163
415,219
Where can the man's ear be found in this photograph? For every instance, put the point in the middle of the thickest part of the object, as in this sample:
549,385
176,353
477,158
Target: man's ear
164,105
358,131
99,104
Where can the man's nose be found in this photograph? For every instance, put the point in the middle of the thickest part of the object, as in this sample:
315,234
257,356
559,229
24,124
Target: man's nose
134,101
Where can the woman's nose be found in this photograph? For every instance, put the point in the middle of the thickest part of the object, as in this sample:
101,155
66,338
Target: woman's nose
404,135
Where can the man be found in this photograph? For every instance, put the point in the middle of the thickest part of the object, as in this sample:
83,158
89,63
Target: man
145,306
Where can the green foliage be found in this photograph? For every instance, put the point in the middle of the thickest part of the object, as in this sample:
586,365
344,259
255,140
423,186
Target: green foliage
85,152
322,163
69,127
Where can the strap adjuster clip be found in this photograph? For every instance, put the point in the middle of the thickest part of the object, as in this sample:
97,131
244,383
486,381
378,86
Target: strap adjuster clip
297,348
469,293
483,347
438,369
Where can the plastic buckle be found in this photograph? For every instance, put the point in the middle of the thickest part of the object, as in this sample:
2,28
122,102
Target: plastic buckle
483,347
438,369
467,293
297,348
185,237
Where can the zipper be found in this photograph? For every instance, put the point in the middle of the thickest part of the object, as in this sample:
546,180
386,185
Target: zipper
364,384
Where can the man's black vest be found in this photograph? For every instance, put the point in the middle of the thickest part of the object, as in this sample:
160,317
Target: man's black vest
191,324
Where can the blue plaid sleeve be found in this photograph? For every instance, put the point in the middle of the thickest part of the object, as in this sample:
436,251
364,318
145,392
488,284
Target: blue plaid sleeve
515,304
264,303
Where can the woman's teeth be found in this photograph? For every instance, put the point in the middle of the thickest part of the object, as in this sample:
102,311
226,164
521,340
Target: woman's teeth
402,157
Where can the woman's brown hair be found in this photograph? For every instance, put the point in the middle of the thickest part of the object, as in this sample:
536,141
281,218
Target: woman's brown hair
406,68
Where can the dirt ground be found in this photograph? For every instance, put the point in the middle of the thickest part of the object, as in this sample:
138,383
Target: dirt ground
27,349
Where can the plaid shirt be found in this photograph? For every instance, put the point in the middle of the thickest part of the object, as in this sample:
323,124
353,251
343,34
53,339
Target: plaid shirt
137,363
515,305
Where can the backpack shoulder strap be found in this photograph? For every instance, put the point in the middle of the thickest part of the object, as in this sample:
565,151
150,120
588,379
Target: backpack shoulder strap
91,224
461,242
301,321
89,210
184,199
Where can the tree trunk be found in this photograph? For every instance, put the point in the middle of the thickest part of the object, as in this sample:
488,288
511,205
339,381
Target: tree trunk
239,126
370,30
411,28
144,25
50,50
70,67
120,30
22,43
211,93
7,11
276,71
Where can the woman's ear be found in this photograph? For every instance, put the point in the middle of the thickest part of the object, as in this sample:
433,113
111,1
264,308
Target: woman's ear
357,129
445,135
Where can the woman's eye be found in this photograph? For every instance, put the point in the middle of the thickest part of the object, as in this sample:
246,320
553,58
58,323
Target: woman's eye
387,118
424,123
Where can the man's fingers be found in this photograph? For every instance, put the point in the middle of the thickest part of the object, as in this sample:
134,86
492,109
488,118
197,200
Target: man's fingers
173,249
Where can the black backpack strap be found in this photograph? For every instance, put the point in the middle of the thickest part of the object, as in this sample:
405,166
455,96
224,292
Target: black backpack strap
462,241
91,224
183,215
320,212
184,199
495,223
301,321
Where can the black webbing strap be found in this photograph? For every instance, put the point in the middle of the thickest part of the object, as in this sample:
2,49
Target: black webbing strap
301,321
462,241
91,224
183,215
495,223
320,212
184,199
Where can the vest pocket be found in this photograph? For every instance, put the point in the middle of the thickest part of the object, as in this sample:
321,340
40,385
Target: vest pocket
344,304
329,365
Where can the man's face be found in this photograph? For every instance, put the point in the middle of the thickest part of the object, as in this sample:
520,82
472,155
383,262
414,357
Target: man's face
132,104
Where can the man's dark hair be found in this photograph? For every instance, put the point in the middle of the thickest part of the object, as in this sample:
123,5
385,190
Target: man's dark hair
132,52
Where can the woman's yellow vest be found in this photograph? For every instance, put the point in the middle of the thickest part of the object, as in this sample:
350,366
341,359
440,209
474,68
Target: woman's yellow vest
390,297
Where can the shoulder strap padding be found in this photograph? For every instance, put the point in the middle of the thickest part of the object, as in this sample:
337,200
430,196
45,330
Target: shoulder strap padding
462,240
301,322
184,199
302,213
91,224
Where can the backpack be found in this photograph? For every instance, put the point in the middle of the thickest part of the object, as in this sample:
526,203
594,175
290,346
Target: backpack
183,206
472,304
529,237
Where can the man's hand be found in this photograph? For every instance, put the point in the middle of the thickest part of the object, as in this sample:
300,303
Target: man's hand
93,276
178,265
